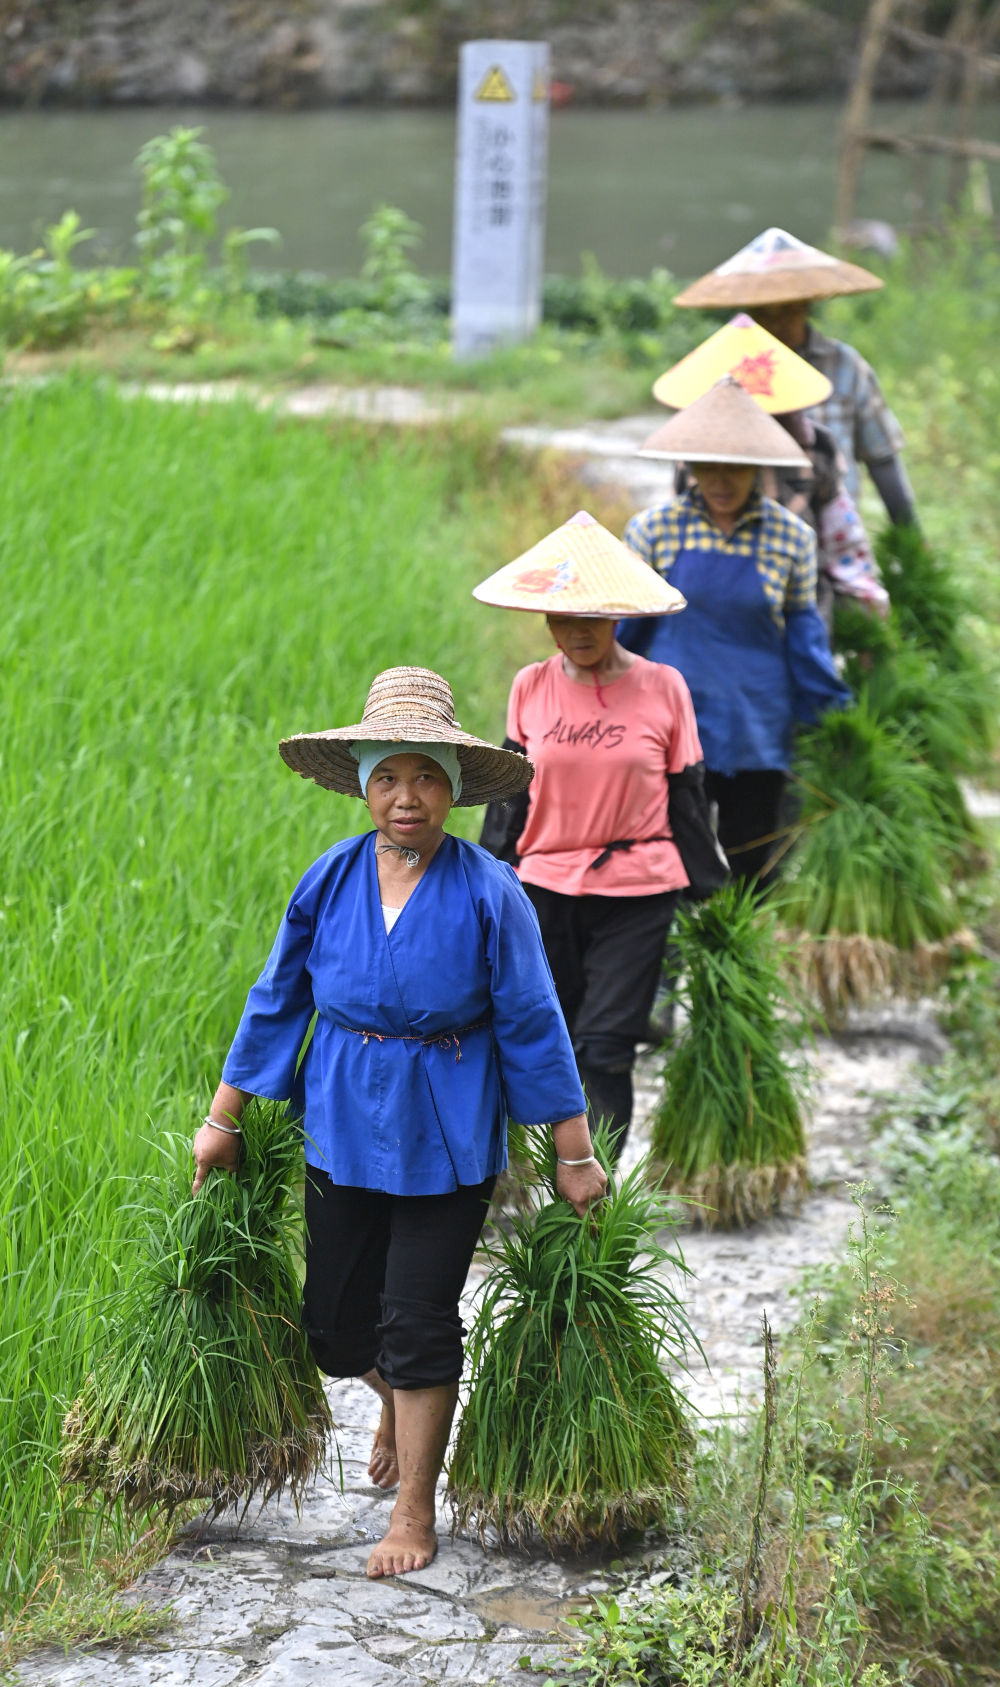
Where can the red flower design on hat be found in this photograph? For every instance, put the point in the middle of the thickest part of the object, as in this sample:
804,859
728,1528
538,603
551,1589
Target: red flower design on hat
756,374
553,577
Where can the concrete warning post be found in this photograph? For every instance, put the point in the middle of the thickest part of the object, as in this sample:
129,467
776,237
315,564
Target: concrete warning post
501,168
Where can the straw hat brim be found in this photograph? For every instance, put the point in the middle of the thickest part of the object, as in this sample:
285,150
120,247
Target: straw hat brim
588,605
725,425
489,774
744,288
684,454
580,569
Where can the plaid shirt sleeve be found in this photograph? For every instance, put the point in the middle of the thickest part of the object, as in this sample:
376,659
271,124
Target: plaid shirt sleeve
800,591
653,534
877,433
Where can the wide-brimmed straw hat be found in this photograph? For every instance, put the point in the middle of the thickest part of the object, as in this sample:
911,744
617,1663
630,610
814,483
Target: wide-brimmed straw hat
580,569
774,375
773,270
725,425
406,706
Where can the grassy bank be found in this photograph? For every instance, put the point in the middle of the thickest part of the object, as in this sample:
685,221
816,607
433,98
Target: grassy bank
182,588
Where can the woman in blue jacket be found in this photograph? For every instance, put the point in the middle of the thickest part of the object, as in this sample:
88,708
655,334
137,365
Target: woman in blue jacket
751,643
436,1019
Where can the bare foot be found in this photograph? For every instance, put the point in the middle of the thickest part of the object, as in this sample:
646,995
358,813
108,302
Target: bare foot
409,1545
383,1467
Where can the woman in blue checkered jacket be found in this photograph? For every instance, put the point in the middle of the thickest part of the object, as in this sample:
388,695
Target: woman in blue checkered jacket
751,644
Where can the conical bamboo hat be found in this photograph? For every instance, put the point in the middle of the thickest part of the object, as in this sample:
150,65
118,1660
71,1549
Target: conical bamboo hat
580,569
725,425
774,375
774,269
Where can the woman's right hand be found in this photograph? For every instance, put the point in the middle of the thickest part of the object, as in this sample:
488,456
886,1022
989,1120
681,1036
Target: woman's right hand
582,1186
216,1149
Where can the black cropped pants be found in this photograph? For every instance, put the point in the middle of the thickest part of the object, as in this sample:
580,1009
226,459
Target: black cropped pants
606,955
383,1278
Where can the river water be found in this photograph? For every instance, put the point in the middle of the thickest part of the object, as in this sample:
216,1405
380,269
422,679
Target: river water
681,188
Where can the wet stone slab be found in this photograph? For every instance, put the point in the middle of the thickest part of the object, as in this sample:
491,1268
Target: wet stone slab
279,1598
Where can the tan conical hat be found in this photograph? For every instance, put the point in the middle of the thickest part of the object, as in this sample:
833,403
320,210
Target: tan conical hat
407,706
580,569
774,375
774,269
725,425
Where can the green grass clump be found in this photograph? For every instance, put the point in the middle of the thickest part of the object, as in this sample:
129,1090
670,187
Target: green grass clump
573,1432
203,1386
867,886
729,1126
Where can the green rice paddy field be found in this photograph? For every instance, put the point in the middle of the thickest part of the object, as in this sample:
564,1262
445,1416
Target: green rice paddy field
181,589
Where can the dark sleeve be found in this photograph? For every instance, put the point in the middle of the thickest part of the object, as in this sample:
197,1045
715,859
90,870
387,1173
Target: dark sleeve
700,850
816,684
504,822
894,489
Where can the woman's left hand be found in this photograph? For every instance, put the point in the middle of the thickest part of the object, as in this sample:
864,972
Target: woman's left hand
582,1186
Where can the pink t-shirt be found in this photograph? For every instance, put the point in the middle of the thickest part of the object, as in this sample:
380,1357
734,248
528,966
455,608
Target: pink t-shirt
601,758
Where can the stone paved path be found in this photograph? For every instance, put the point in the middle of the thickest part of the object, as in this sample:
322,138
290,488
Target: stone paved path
283,1600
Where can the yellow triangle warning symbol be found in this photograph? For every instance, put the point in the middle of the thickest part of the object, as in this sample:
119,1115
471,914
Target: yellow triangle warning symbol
540,86
495,87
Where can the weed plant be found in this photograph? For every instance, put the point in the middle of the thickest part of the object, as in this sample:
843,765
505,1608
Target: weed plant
729,1127
182,587
204,1387
573,1433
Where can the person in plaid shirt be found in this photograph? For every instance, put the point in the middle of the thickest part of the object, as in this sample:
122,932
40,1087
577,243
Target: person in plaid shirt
751,643
856,413
778,279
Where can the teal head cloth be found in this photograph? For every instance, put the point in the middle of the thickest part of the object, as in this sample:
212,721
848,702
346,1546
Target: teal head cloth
369,752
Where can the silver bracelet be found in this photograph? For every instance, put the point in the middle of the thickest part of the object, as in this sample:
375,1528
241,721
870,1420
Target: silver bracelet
591,1160
230,1130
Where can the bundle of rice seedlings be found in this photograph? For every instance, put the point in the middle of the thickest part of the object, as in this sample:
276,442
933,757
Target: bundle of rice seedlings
935,708
204,1388
573,1433
867,889
932,611
514,1186
861,637
729,1128
928,602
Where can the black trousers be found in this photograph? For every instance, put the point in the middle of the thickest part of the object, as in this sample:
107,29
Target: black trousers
383,1277
750,819
606,953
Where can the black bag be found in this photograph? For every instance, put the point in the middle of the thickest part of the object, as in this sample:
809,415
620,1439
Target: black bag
504,822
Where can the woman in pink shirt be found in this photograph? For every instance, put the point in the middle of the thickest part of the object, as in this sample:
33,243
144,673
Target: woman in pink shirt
616,806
